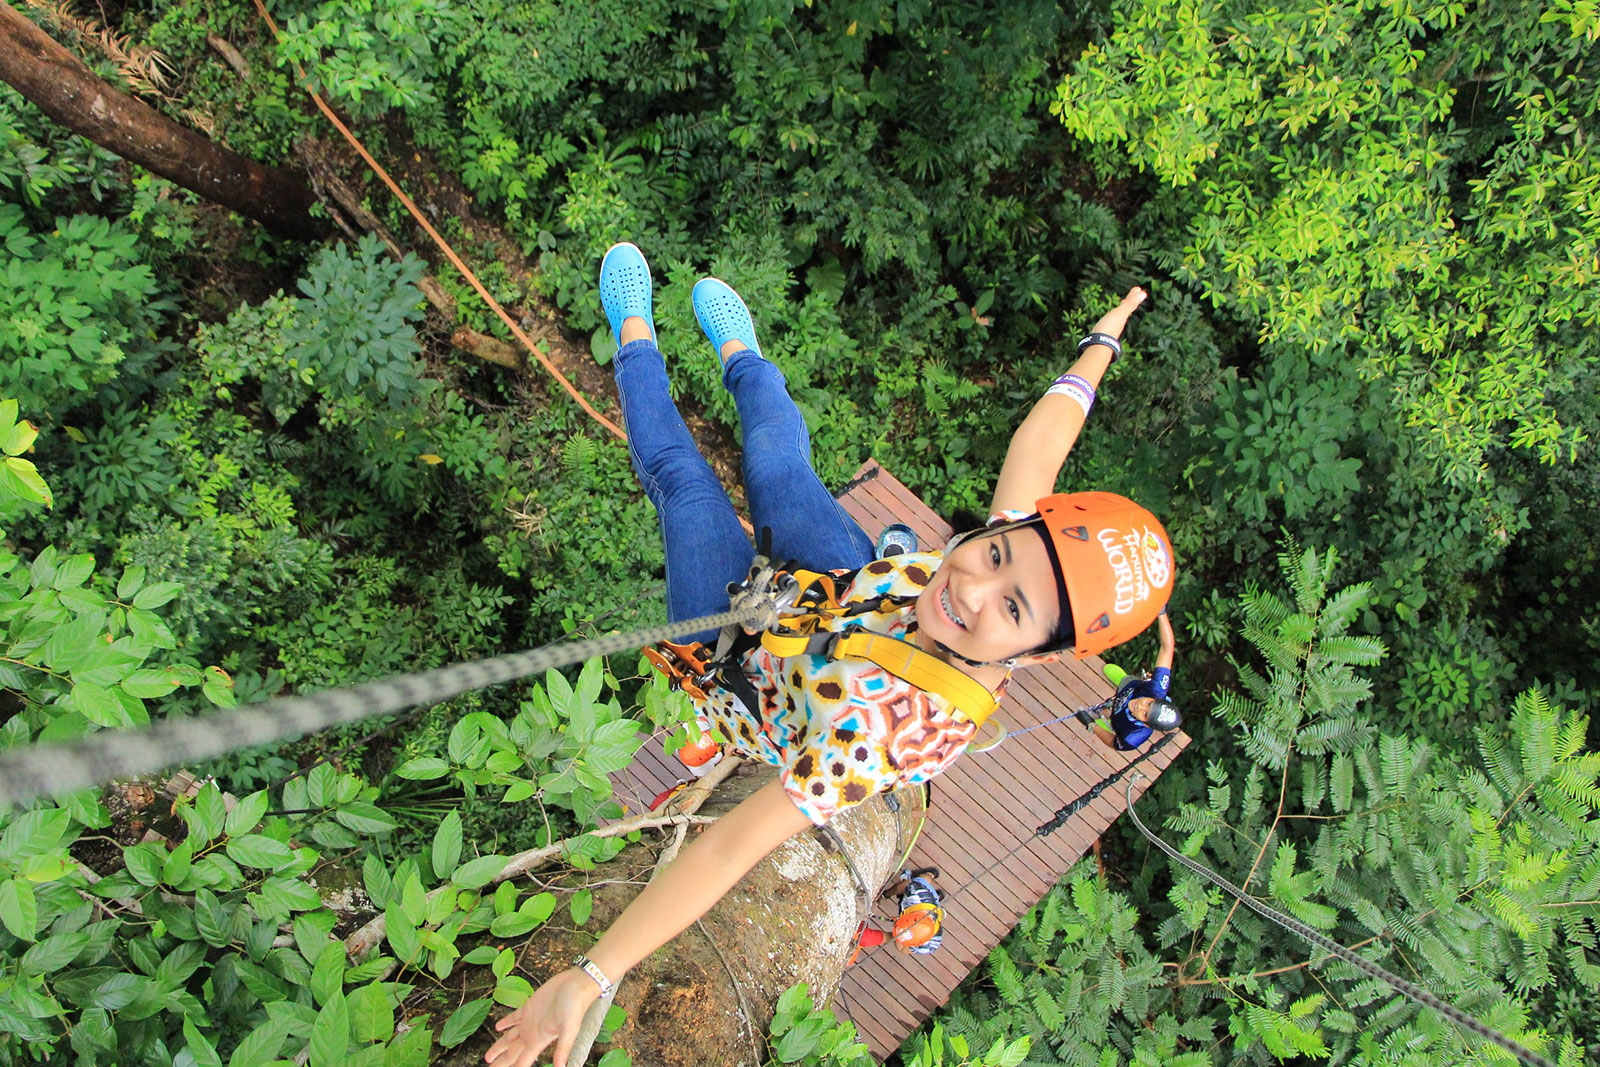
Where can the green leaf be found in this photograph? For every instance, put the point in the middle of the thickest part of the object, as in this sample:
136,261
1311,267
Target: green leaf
202,1051
145,862
447,845
211,919
539,907
73,571
98,705
479,872
365,817
258,851
178,862
33,833
513,925
148,684
53,953
131,582
261,1046
327,977
375,877
18,908
410,1049
20,478
153,596
247,814
208,814
616,1058
464,1022
423,768
371,1013
330,1036
582,904
503,963
512,990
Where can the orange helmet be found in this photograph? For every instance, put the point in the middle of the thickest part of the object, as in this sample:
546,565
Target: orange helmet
1113,562
917,925
1116,560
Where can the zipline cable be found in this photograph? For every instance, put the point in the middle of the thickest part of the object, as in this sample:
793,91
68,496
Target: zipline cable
55,769
1367,967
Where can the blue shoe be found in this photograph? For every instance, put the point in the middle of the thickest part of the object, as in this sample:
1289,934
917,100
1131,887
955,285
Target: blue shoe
625,288
723,316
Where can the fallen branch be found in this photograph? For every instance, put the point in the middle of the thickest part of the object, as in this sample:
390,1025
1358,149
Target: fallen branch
230,55
685,806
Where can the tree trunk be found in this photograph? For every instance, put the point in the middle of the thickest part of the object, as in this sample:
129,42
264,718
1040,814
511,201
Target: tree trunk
61,86
707,998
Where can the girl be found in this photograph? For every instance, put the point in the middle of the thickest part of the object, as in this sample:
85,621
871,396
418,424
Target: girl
1080,571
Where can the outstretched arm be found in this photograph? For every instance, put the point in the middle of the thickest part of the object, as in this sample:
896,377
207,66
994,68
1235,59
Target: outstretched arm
680,894
1169,643
1041,443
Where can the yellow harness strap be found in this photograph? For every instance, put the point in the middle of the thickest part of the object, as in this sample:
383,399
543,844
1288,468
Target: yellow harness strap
969,697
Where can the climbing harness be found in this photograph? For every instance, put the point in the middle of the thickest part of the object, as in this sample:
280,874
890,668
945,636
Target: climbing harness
1365,966
804,603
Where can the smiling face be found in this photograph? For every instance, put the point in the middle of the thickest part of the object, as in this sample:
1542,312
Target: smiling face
993,597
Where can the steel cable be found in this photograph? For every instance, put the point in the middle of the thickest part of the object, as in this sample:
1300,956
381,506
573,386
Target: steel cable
1365,966
35,771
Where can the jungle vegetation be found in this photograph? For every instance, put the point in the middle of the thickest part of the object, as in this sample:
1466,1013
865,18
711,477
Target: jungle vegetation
240,461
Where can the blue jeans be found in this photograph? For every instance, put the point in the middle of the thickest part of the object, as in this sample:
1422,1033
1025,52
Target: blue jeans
706,546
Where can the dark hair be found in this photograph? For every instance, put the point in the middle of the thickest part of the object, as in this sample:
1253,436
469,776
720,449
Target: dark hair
1065,634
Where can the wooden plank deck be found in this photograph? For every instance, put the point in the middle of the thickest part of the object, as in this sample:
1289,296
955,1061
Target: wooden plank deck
982,806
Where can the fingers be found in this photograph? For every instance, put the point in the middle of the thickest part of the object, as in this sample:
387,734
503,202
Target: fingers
569,1035
521,1044
1135,297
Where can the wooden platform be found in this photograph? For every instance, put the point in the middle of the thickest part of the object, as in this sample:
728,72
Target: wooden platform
982,806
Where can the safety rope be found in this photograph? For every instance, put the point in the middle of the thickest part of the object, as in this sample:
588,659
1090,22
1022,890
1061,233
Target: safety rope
1367,967
55,769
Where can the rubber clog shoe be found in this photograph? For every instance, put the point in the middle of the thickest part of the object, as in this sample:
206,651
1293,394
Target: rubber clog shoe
625,287
723,316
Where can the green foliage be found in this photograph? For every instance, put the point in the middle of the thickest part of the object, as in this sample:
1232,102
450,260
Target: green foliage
804,1033
77,309
355,322
1344,181
373,54
562,744
1473,882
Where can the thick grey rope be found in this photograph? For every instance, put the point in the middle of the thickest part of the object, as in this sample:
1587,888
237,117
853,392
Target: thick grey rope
51,770
1367,967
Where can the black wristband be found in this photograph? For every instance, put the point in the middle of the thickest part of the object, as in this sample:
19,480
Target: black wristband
1102,339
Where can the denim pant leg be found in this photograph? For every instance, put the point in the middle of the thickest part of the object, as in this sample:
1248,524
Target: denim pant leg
786,496
706,546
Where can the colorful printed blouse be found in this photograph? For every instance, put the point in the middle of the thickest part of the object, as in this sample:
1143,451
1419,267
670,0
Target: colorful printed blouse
844,730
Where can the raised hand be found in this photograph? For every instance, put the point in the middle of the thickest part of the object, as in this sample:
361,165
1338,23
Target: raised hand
1115,321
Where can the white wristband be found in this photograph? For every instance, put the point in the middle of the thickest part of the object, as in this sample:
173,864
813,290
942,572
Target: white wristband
1074,388
592,969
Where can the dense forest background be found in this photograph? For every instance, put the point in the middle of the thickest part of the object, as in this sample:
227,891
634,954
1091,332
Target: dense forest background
1361,397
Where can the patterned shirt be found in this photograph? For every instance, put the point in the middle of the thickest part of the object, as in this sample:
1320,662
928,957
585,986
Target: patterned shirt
844,730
